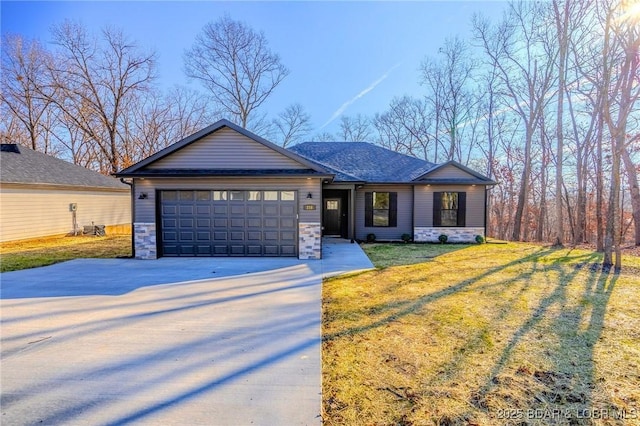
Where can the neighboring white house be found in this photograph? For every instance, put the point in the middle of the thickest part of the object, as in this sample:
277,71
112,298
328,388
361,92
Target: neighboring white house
41,195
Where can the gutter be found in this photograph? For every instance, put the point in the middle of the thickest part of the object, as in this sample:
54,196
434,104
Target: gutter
133,215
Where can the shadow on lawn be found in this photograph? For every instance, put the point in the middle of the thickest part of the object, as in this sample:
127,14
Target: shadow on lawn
563,391
408,307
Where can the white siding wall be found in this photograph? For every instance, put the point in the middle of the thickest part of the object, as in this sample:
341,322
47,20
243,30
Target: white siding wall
31,213
226,149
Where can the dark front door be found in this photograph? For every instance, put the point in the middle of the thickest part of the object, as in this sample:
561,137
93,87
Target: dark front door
332,216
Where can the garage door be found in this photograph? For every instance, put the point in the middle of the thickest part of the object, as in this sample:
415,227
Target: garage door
229,223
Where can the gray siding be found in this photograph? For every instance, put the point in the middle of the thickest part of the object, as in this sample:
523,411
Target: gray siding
405,222
450,172
146,209
424,203
226,149
39,212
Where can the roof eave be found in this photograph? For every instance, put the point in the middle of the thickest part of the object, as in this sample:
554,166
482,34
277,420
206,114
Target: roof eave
222,175
212,129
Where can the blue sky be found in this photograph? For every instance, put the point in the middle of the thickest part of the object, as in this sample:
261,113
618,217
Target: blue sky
344,57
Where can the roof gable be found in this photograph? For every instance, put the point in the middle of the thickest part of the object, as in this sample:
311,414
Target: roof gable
222,146
363,161
22,165
453,172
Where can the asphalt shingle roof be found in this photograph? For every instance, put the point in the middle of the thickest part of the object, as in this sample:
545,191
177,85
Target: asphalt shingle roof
363,161
32,167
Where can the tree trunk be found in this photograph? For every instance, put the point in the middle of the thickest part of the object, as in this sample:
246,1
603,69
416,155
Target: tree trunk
632,176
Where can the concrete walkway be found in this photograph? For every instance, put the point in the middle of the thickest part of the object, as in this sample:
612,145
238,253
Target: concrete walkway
196,341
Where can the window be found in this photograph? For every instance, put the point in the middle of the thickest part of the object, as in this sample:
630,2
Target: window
332,205
236,195
219,195
381,209
449,209
203,195
254,195
287,195
271,195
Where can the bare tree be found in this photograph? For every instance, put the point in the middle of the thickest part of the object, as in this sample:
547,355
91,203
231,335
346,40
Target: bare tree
623,34
525,71
633,169
448,80
96,82
23,75
405,127
235,63
355,129
292,125
323,137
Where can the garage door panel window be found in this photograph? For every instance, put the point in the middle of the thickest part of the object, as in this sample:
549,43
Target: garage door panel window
219,195
203,195
287,195
186,195
236,195
270,196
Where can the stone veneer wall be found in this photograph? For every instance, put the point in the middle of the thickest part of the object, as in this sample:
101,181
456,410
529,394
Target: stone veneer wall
309,241
456,235
145,240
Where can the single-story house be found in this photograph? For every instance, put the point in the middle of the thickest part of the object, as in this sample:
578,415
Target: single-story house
41,195
225,191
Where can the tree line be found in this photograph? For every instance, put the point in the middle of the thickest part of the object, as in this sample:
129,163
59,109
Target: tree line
544,101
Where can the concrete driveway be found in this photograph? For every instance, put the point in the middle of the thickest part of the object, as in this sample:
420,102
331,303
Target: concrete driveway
171,341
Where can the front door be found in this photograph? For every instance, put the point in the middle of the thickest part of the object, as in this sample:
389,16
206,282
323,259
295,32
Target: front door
332,216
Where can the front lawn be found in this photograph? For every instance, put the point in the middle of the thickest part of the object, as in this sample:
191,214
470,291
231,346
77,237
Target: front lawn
33,253
482,335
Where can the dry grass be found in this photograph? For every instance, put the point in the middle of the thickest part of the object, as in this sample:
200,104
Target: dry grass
46,251
482,335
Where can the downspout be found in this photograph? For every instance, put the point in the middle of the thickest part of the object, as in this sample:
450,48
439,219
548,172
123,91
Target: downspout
133,215
413,212
487,188
352,211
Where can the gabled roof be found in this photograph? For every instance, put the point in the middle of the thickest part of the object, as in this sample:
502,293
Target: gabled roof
22,165
137,169
474,177
363,161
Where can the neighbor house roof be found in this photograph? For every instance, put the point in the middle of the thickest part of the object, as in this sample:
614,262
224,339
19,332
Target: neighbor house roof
363,161
22,165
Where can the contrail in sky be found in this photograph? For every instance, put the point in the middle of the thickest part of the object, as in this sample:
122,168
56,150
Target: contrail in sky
372,86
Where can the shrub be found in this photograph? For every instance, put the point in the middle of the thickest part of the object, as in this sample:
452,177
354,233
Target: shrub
406,238
443,238
479,239
371,238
